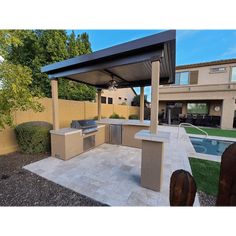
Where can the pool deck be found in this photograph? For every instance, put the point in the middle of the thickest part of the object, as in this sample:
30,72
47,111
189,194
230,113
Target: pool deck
111,173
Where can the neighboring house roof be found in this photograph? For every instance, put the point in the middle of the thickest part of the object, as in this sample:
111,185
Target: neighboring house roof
210,63
134,91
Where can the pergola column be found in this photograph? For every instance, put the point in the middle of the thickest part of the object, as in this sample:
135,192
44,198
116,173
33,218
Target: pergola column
99,104
155,96
55,112
141,104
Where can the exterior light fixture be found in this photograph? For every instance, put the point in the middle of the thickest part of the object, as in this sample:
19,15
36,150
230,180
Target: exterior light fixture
112,85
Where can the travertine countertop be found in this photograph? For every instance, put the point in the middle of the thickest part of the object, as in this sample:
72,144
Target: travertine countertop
159,137
66,131
124,122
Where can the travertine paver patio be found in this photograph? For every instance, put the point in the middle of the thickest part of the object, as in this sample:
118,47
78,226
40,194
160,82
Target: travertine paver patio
111,173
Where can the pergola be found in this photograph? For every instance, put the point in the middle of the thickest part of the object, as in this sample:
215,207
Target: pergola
139,63
142,62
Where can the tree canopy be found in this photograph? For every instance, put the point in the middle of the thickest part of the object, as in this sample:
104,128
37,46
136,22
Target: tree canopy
15,79
42,47
136,101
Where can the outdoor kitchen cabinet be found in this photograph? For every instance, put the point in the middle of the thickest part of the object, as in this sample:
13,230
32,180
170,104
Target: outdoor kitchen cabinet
66,143
128,133
122,132
69,142
100,135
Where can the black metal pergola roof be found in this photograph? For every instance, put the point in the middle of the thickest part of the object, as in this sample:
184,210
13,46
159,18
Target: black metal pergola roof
129,64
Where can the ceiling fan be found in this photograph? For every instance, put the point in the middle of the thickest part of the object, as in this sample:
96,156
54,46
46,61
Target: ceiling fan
112,85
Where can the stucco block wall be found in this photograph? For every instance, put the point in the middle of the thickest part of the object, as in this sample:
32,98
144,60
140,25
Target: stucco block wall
68,111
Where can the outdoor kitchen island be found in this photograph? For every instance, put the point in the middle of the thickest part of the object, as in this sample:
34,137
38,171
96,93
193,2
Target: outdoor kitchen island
67,143
70,142
122,132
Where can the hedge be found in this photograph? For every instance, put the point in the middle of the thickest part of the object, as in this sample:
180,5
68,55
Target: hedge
133,117
116,116
34,137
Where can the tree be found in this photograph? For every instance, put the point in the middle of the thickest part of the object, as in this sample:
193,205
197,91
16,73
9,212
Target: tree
84,44
73,47
42,47
15,79
9,38
50,47
136,101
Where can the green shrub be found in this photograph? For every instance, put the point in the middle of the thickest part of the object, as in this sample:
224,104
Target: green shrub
116,116
33,137
96,117
133,117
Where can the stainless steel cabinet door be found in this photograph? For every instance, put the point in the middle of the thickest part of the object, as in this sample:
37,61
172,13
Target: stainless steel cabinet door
89,142
116,134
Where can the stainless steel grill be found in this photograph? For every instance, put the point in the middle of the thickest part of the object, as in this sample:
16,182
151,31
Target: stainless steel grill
87,126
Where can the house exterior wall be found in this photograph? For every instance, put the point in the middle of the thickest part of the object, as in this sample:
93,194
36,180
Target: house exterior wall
212,104
207,77
214,88
124,95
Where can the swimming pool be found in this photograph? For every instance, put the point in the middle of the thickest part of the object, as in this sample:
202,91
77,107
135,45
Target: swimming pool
209,146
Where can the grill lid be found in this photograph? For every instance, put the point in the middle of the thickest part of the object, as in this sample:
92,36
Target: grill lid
83,124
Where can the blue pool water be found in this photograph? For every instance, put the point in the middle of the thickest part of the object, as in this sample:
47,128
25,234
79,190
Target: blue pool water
209,146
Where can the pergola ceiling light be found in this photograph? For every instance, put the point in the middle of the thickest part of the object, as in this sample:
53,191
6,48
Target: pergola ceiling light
112,85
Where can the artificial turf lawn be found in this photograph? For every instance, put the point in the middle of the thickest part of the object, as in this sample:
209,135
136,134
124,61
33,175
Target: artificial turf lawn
206,174
212,132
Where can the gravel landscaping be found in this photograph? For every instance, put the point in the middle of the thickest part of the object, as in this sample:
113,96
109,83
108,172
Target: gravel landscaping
206,200
19,187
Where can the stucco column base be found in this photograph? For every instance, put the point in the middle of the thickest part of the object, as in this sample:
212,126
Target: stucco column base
151,166
152,158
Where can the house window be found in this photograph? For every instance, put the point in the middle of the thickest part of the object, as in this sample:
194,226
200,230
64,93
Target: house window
119,98
182,78
103,100
218,70
125,99
110,100
233,74
197,108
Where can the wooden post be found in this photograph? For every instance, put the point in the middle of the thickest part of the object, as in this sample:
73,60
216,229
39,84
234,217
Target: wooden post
155,96
99,104
55,113
141,104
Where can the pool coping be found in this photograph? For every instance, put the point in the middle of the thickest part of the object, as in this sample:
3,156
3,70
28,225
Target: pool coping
192,153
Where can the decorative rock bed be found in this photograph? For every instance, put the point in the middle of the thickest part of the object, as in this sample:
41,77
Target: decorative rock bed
19,187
